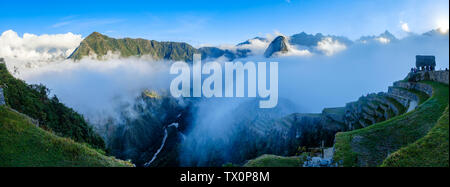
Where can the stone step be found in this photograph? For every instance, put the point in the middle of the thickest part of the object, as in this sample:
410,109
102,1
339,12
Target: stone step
389,104
425,88
402,92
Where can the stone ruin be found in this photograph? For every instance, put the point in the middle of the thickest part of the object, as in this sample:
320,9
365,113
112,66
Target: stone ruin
425,71
425,62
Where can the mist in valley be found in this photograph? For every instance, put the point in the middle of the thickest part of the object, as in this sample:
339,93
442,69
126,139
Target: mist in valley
102,90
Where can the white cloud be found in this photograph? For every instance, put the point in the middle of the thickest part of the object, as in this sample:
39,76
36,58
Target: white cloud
330,46
383,40
97,89
256,46
31,49
405,27
442,24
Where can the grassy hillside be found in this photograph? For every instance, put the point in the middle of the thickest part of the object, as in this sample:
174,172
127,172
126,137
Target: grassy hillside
371,145
431,150
24,144
52,115
276,161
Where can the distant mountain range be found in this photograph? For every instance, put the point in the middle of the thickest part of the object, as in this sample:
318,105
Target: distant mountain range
97,45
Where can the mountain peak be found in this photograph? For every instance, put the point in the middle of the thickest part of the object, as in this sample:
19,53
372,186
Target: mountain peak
96,35
279,44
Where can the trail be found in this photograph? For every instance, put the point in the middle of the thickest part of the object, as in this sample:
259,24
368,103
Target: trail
162,144
412,106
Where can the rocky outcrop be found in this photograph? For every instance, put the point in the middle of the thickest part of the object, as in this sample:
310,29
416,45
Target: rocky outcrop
279,44
437,76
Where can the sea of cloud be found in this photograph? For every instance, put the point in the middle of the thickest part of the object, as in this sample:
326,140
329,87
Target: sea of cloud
100,89
312,80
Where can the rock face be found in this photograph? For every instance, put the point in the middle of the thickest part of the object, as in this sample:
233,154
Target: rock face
139,135
2,97
279,44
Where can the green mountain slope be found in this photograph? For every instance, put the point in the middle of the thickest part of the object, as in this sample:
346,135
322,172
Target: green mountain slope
431,150
371,145
413,137
24,144
98,45
276,161
33,101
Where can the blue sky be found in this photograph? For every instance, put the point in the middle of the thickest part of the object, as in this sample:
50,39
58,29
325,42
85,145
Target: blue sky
222,22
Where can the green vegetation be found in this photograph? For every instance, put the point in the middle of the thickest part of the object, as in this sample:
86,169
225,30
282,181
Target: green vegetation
371,145
400,107
52,115
24,144
152,94
336,110
431,150
276,161
421,95
100,45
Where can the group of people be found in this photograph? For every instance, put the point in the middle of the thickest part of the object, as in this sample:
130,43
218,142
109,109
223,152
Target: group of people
424,68
414,70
